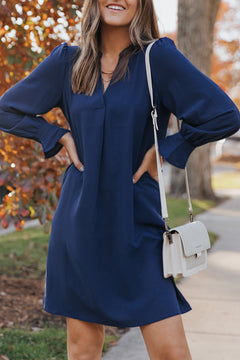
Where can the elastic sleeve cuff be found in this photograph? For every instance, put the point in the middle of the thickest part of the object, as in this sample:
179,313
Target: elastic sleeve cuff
175,149
49,139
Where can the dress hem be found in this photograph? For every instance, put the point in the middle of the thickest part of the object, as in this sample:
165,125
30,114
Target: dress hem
115,323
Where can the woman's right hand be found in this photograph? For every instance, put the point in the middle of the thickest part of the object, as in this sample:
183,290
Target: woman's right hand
67,141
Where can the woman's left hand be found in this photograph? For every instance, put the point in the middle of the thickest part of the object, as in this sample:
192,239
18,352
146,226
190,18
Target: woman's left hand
149,164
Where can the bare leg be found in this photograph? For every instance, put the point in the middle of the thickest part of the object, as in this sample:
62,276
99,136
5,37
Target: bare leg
166,340
84,340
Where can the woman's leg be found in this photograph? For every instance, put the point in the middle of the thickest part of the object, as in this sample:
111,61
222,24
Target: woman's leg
84,340
166,340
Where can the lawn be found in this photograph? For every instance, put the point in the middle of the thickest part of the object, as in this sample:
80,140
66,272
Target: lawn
23,256
23,253
46,344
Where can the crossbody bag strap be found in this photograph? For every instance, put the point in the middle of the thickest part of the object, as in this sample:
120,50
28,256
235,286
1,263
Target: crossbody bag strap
154,115
190,209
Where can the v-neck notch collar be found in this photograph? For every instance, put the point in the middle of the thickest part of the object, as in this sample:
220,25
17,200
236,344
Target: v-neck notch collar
121,52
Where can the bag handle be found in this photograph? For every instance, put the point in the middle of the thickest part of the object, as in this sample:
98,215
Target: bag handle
154,115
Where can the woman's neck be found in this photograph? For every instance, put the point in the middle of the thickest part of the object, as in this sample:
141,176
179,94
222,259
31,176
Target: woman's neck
114,39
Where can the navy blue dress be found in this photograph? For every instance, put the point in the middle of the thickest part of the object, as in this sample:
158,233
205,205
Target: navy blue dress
104,261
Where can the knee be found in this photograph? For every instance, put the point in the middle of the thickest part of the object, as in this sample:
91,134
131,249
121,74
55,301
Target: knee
76,353
175,353
84,340
88,351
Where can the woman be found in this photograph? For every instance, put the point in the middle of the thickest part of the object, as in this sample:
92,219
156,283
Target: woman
104,256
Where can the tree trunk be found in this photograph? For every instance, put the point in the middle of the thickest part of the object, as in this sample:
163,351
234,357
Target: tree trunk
196,21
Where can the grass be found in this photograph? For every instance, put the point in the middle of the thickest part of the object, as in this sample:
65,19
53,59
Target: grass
226,180
46,344
178,209
109,341
24,253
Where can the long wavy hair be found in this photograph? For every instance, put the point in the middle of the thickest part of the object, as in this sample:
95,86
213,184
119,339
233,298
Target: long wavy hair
86,64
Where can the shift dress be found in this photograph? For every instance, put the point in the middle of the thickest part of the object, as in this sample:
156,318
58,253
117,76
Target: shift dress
104,261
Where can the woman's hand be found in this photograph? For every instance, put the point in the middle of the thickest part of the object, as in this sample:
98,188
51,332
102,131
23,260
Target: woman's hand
148,164
67,141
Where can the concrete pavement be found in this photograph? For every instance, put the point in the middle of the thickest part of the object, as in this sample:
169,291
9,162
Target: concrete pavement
11,227
213,325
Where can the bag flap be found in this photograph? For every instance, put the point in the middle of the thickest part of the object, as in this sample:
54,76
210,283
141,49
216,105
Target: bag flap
194,237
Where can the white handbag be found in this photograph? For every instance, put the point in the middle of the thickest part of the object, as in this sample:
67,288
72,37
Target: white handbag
185,247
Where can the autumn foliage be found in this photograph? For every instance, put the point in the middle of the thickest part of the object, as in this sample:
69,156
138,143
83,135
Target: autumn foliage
29,30
225,68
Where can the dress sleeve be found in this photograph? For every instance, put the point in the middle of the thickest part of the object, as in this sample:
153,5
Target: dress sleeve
207,112
36,94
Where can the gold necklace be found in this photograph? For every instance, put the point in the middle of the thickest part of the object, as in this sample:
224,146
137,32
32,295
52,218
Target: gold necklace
106,80
108,77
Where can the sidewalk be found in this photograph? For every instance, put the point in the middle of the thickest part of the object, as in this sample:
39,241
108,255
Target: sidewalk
213,325
11,227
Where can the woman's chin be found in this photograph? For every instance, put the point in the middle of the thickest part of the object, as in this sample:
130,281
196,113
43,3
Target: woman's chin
115,23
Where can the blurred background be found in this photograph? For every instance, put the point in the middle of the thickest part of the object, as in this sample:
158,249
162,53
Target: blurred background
207,32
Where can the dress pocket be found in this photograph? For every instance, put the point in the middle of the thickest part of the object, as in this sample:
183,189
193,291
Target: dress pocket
147,205
154,181
65,173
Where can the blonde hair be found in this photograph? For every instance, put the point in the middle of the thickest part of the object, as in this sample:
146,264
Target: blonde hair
86,64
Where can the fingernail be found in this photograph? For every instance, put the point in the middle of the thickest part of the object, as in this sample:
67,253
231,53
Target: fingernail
133,180
82,168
